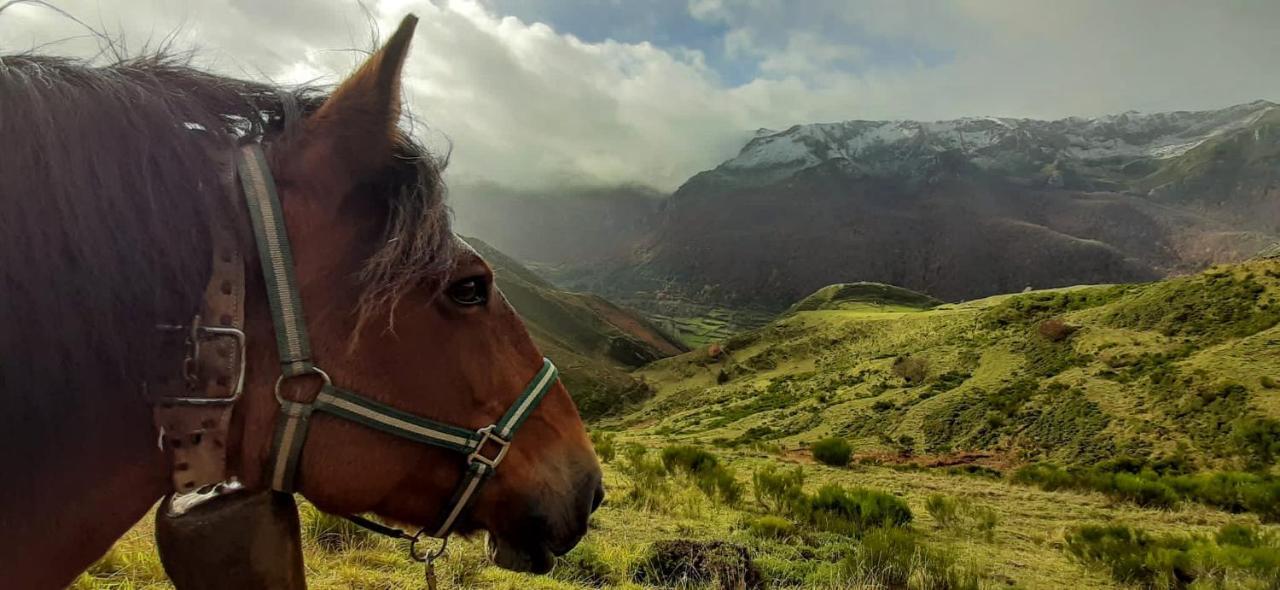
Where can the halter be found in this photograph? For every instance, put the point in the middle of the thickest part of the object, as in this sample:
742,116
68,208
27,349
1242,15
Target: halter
483,449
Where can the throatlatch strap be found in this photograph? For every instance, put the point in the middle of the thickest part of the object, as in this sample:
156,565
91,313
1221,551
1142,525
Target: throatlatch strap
291,434
277,260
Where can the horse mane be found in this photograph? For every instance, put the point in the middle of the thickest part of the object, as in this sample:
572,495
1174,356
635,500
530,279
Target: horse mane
107,177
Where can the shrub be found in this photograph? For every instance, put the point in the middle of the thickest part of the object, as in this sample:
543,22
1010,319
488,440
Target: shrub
882,405
605,445
894,558
770,527
778,490
906,445
705,469
1258,441
832,451
944,510
911,369
956,513
1132,556
1056,330
854,511
688,458
681,563
648,477
1237,554
984,520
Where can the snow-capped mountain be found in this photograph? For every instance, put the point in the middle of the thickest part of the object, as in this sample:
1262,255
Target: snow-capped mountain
1099,147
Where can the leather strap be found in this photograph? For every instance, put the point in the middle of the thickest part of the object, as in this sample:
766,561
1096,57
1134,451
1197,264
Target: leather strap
193,413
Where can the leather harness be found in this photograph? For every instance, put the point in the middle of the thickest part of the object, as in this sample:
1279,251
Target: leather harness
193,416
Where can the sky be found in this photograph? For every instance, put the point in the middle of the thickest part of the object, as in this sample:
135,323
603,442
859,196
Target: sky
540,94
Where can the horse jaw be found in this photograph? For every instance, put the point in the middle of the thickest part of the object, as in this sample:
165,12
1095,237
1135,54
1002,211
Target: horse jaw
535,560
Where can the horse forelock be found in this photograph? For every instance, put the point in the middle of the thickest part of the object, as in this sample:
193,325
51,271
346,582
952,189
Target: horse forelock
107,177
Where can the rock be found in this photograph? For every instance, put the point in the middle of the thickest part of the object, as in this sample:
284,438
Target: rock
680,563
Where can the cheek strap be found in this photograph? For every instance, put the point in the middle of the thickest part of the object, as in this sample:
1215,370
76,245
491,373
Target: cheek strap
483,449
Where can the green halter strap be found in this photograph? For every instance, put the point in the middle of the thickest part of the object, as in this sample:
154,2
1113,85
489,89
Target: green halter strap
484,448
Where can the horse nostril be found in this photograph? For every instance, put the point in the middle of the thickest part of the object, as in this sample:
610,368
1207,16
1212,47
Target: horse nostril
599,497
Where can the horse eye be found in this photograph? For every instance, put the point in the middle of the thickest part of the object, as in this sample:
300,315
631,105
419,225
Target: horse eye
469,291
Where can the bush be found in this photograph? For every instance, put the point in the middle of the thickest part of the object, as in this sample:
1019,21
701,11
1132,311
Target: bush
706,471
770,527
778,490
894,558
911,369
955,514
854,511
882,405
604,444
832,451
682,563
1055,330
1239,554
944,510
648,477
1258,441
1134,557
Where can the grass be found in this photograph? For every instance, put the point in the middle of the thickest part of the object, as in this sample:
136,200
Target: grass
1151,404
1026,549
1129,378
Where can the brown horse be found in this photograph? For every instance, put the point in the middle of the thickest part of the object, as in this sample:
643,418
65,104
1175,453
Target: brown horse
108,176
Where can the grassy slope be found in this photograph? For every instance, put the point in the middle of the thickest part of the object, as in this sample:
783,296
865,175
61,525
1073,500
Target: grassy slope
995,385
1025,550
594,342
852,351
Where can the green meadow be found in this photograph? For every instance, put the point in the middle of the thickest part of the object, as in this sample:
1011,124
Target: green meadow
1117,436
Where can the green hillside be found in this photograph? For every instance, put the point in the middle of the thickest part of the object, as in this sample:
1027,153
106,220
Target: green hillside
864,296
709,485
1073,375
593,342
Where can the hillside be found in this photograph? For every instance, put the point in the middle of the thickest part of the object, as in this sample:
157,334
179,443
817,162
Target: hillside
876,296
955,209
593,342
1158,370
1149,370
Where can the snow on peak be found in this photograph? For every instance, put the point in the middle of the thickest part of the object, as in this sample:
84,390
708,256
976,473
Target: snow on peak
989,141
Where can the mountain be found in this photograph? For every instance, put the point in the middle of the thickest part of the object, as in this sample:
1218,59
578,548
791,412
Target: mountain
594,342
1072,375
956,209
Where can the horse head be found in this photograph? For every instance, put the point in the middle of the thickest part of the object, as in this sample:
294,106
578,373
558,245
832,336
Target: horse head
403,312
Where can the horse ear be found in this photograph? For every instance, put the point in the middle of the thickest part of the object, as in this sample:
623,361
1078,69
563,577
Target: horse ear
352,135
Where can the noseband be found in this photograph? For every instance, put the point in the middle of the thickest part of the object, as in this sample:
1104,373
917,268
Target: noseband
483,449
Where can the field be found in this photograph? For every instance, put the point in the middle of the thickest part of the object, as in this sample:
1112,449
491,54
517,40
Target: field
1092,437
1025,549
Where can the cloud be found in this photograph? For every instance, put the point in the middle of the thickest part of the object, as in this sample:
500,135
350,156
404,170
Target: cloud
531,106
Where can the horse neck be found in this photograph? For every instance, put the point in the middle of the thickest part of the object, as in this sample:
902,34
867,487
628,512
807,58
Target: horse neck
95,474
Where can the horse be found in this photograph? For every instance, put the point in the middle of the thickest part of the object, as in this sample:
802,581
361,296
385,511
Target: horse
119,207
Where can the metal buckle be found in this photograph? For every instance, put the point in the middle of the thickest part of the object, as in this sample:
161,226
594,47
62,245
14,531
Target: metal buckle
197,330
487,435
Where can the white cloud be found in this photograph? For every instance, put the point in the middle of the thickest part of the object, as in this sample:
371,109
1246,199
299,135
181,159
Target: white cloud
528,106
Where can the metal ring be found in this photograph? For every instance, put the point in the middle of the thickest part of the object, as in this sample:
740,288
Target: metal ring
429,556
313,370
